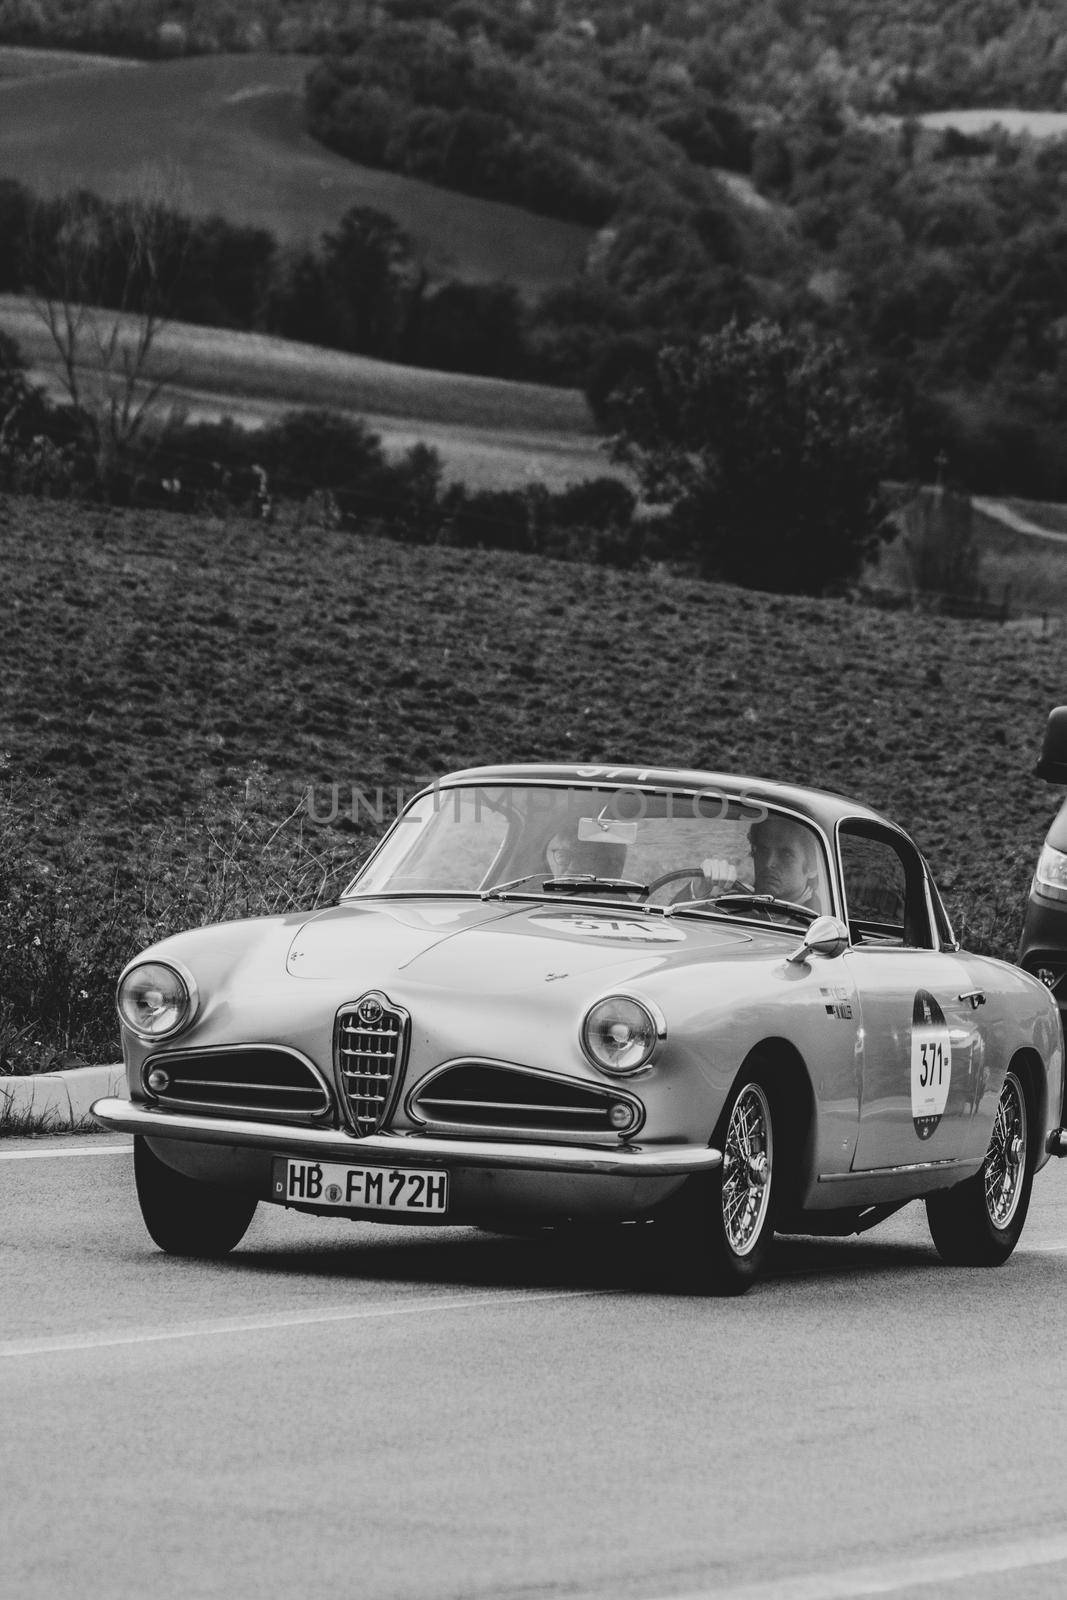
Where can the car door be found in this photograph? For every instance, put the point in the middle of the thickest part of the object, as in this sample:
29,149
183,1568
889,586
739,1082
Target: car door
920,1037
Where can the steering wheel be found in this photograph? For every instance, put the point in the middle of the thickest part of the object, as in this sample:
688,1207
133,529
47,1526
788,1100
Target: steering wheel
674,877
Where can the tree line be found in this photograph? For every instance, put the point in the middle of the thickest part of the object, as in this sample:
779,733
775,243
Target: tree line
906,56
361,289
456,102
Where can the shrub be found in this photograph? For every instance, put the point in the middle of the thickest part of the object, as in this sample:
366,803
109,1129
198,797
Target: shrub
69,921
766,454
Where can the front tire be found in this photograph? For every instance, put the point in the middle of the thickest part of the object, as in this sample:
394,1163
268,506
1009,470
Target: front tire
725,1225
184,1216
978,1223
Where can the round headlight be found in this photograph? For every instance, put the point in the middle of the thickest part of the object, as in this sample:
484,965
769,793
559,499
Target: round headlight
619,1035
155,999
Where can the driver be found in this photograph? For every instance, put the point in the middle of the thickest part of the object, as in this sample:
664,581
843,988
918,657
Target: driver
785,861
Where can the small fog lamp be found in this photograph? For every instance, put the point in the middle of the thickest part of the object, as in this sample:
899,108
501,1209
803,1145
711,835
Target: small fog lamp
158,1080
620,1035
621,1116
155,999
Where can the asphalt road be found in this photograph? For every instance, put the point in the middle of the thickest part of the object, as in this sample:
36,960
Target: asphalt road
346,1410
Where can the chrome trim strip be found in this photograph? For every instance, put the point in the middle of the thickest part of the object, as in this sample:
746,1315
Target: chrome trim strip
508,1105
187,1082
228,1108
885,1172
329,1144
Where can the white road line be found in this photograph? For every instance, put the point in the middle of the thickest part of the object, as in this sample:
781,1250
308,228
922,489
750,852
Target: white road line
283,1319
890,1577
53,1155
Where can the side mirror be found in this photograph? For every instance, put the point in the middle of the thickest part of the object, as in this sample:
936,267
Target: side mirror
1053,764
827,936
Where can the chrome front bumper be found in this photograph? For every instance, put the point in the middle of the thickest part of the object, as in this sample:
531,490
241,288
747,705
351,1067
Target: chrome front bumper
330,1144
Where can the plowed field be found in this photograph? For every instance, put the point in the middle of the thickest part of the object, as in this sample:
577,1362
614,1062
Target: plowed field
144,655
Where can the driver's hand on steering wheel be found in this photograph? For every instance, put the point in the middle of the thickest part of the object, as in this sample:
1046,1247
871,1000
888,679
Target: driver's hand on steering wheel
712,877
717,870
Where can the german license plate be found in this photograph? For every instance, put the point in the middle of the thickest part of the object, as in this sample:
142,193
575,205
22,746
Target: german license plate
328,1183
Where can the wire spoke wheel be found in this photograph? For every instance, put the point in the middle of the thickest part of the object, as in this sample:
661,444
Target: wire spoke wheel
977,1223
720,1224
748,1156
1005,1165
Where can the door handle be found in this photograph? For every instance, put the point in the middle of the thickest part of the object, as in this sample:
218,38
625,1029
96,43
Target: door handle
975,996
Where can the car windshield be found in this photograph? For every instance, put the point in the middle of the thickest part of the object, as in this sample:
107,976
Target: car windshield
671,850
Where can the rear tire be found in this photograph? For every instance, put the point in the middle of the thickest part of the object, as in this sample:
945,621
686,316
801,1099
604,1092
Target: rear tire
186,1217
724,1222
978,1223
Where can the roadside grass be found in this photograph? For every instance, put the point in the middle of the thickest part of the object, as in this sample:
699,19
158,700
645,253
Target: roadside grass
229,133
1026,574
1029,574
173,687
1029,577
71,916
19,1123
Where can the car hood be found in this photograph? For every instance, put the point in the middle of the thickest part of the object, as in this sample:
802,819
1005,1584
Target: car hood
495,947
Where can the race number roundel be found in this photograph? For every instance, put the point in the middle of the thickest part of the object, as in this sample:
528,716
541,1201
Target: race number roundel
931,1064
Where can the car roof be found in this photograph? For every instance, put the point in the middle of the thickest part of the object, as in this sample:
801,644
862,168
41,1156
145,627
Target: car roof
820,805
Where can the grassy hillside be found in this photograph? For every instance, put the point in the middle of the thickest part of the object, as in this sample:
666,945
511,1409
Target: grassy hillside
149,662
490,434
225,134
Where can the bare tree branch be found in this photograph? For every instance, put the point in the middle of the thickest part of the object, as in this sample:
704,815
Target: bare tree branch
104,278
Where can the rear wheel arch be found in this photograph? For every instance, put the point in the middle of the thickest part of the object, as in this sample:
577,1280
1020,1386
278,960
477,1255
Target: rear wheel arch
1030,1068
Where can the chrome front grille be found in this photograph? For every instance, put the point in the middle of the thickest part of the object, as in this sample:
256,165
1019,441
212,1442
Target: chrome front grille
250,1081
370,1046
488,1095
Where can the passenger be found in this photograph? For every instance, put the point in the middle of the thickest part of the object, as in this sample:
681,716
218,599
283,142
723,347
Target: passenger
567,856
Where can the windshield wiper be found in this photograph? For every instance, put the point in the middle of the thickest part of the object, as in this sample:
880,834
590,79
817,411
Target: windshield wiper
496,889
742,902
583,884
589,883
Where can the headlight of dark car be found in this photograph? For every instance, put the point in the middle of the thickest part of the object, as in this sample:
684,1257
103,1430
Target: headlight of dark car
155,999
620,1035
1051,875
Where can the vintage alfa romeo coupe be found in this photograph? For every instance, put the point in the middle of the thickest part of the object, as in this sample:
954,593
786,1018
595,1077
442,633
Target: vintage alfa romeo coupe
713,1005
